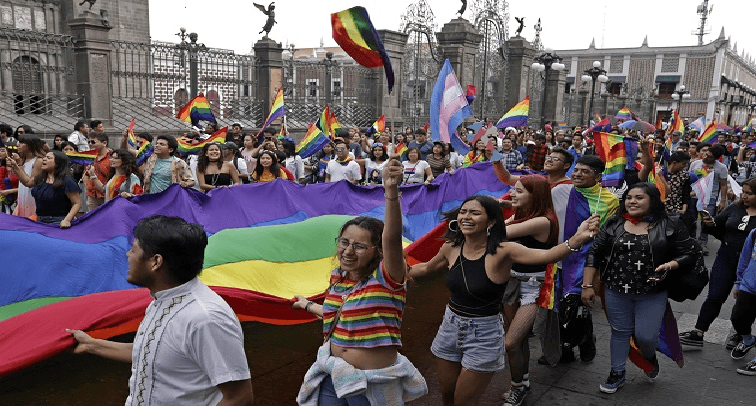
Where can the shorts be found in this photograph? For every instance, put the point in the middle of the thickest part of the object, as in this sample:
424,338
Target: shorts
475,342
529,292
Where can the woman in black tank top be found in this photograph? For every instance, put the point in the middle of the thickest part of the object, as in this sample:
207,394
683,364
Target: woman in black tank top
481,262
212,172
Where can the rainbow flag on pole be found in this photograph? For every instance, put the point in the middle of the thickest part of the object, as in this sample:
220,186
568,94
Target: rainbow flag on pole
710,134
132,139
83,158
145,151
197,109
189,148
677,123
401,150
517,116
379,126
618,153
314,141
277,110
355,34
324,122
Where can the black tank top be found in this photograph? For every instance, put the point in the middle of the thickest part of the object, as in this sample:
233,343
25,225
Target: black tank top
218,179
473,294
530,242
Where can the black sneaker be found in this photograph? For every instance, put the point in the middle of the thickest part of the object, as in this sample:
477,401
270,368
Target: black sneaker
655,372
588,350
741,350
568,355
516,396
732,341
748,369
613,382
505,395
693,338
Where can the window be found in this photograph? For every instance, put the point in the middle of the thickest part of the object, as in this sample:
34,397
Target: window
615,88
666,90
567,87
336,87
312,88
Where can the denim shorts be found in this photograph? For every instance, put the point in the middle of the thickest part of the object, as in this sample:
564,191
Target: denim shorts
475,342
529,292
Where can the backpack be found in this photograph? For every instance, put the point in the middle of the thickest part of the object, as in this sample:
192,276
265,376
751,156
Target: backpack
687,283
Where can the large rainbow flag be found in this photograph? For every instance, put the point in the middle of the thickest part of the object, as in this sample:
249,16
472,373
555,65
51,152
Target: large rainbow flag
711,134
618,153
677,123
80,282
355,34
186,147
312,142
517,116
197,109
277,110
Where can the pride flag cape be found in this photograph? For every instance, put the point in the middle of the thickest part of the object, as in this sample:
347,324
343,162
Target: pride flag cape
83,158
710,134
313,142
277,110
355,34
517,116
197,109
700,124
80,281
145,151
677,123
618,153
186,147
131,140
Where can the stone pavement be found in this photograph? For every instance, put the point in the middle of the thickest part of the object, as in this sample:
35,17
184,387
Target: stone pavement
708,377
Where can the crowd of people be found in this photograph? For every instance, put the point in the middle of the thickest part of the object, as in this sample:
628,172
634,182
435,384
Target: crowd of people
627,245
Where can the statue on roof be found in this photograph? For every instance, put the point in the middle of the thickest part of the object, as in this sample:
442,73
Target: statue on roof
520,21
271,17
464,7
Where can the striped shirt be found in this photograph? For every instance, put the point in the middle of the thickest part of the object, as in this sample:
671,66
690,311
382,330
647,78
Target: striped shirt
372,314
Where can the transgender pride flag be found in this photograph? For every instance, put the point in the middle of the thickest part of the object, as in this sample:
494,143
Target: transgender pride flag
448,106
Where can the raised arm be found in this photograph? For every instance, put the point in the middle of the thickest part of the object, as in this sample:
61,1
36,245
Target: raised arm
438,262
393,255
646,160
503,174
537,227
25,179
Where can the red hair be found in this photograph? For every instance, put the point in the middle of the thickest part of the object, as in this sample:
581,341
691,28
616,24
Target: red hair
540,205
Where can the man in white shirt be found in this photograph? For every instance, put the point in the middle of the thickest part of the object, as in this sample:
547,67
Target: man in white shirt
189,348
80,136
344,166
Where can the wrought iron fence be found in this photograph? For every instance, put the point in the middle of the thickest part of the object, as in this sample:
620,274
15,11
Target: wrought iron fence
352,93
37,80
151,82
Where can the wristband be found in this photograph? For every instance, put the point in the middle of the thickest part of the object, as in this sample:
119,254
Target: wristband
307,306
567,243
586,286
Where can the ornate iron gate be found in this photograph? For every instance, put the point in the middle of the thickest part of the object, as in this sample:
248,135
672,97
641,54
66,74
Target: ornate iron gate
492,21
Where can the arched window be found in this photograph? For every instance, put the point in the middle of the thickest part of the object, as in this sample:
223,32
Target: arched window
27,85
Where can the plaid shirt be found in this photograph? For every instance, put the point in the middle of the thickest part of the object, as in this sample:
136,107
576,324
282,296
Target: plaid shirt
537,157
511,159
179,172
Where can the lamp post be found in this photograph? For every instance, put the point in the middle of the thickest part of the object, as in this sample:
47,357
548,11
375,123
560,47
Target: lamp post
593,74
329,63
546,61
193,48
680,94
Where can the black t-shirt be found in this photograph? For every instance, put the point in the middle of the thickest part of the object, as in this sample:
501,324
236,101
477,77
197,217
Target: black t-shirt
53,201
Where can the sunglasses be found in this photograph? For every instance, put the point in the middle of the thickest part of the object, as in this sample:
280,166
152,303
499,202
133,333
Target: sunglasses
341,149
91,142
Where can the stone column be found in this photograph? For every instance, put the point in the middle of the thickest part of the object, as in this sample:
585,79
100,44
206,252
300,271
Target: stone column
554,95
269,73
521,54
389,104
459,41
583,93
92,62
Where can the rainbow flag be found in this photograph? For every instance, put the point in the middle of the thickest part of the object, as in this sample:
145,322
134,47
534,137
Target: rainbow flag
324,122
401,150
197,109
131,139
277,110
517,116
333,123
547,295
355,34
83,158
144,153
314,141
749,126
710,134
677,123
654,177
379,126
618,153
187,147
625,114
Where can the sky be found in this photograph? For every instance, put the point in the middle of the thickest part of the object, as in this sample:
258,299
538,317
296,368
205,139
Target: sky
234,24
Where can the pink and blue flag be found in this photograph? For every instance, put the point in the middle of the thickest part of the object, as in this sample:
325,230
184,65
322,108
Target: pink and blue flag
448,106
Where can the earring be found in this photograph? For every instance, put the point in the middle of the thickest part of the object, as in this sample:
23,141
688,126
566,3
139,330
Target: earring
455,229
488,231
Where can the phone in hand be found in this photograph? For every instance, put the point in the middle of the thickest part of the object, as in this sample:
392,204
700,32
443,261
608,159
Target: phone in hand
705,213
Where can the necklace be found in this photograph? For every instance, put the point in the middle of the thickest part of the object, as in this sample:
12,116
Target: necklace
214,178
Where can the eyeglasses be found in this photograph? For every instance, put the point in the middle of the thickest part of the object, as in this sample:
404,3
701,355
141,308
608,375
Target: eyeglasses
341,149
343,243
553,158
744,222
91,142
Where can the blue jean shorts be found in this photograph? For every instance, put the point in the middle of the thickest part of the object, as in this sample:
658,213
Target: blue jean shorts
529,292
475,342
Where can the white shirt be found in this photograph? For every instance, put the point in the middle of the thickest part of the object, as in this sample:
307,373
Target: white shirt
192,161
371,166
188,343
296,166
414,173
79,140
350,172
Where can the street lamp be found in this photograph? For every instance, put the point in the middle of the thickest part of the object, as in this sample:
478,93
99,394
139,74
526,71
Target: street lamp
592,74
545,62
329,63
679,95
193,49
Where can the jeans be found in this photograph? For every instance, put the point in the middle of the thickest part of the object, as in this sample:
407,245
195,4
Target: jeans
744,313
723,276
328,396
51,219
634,315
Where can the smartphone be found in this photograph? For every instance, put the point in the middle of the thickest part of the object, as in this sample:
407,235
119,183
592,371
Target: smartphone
705,213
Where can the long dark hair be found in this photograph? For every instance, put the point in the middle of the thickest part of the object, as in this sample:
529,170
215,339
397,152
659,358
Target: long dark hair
657,206
493,211
203,161
751,183
540,205
128,163
62,170
375,227
36,145
275,167
289,148
384,157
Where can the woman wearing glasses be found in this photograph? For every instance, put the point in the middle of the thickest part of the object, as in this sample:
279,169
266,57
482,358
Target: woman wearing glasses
731,227
362,315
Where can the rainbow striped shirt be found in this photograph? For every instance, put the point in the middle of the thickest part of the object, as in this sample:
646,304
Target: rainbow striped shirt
372,314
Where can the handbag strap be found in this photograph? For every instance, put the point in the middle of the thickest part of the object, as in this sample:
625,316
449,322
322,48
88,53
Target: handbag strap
337,317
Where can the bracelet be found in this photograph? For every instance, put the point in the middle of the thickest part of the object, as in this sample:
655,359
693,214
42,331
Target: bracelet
308,305
567,243
392,198
586,286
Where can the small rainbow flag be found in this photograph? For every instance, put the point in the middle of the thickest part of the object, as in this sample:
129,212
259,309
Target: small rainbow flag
401,150
144,152
314,141
749,126
517,116
379,126
189,148
355,34
132,139
83,158
625,114
618,153
277,110
197,109
677,123
710,134
548,288
655,178
333,123
324,122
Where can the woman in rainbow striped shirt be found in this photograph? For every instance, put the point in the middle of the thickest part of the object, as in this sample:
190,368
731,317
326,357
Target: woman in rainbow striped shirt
358,364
